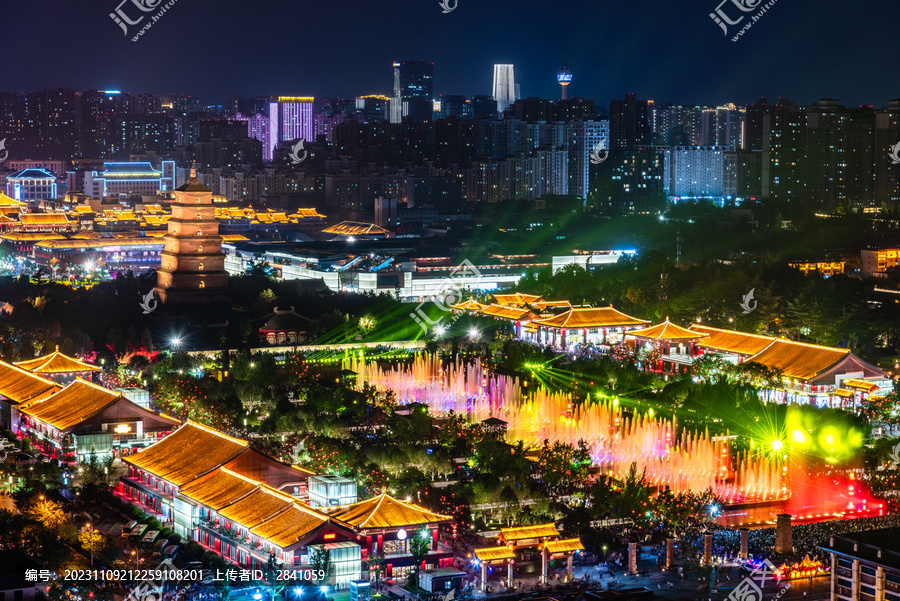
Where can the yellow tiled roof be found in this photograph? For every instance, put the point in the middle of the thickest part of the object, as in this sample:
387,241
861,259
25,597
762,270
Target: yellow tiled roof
599,317
43,218
233,238
564,546
72,405
505,312
188,453
385,511
31,236
257,507
6,201
732,341
495,553
303,213
20,386
148,240
861,385
470,305
355,228
290,526
842,392
667,331
219,489
516,299
541,305
523,532
799,360
56,363
83,209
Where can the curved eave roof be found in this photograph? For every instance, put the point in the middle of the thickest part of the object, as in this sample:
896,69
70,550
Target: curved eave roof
732,341
56,363
595,317
187,453
385,511
667,331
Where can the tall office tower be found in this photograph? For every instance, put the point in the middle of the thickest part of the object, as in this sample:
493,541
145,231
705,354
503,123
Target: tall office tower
192,264
629,123
259,128
584,137
413,91
564,75
291,118
504,86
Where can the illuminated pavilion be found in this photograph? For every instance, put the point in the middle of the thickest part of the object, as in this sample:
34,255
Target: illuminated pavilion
522,544
677,345
58,367
387,524
18,386
585,325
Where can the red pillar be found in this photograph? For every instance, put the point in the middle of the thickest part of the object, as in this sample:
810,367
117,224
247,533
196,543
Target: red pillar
381,543
434,539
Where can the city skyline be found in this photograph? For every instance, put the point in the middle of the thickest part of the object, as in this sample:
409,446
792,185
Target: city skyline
777,58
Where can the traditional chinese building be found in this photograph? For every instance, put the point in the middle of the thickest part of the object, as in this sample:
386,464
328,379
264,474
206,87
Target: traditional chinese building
192,264
18,386
286,326
59,367
84,420
813,374
676,346
524,544
387,525
580,325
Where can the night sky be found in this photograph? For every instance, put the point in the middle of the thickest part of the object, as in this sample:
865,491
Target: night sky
665,51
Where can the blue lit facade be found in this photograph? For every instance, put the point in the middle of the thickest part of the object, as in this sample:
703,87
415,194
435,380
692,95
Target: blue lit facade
32,185
130,179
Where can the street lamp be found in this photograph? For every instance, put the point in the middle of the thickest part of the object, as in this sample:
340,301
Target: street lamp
91,534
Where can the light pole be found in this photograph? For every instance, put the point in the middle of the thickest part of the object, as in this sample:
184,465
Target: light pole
91,534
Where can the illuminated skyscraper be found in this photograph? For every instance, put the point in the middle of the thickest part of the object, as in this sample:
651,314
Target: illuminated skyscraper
413,91
504,87
259,128
564,76
291,118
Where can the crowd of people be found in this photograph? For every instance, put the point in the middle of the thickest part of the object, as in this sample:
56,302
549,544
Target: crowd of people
806,538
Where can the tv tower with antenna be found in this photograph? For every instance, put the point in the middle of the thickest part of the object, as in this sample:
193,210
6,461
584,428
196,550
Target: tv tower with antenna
564,76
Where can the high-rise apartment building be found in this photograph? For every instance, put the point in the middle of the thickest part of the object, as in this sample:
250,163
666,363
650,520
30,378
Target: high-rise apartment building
692,172
259,128
291,118
629,123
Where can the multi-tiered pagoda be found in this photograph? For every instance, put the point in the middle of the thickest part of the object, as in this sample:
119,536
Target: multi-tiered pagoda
192,266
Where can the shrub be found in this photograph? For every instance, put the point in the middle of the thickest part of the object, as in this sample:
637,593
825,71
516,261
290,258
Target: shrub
194,549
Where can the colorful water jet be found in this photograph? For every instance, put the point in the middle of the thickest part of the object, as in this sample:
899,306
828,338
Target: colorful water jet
682,460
